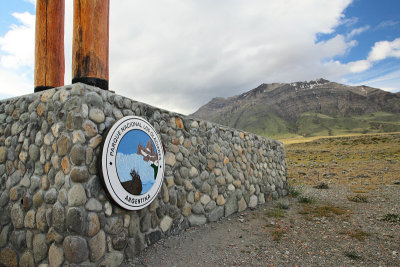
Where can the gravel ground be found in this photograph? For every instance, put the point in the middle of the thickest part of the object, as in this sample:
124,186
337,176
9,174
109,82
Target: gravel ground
332,230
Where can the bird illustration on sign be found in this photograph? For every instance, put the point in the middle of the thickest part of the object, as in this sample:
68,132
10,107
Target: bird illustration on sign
137,170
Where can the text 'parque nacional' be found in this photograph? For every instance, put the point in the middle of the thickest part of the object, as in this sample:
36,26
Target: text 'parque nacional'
132,163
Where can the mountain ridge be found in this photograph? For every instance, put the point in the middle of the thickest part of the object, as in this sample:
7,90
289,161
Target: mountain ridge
279,108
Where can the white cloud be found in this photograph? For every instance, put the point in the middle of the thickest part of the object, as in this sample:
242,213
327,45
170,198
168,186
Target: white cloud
349,22
358,31
17,50
15,46
359,66
385,49
13,84
387,81
338,45
17,56
33,2
178,54
385,24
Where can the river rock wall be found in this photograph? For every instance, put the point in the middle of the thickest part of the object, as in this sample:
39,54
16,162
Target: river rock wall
53,207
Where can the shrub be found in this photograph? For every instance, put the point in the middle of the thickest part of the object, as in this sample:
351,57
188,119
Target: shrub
391,217
322,185
305,200
293,192
352,255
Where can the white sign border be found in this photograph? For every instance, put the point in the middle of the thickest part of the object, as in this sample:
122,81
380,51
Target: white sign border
111,180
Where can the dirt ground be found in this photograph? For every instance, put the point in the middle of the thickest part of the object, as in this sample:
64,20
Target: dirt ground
331,230
355,222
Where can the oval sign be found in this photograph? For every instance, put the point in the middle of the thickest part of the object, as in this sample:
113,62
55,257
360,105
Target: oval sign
132,163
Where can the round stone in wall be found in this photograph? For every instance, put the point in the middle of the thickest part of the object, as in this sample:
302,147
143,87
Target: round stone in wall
75,249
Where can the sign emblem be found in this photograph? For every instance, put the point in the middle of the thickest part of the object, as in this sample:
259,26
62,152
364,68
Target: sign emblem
133,163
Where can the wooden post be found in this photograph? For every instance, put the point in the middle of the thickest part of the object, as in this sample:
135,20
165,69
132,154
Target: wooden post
49,44
90,42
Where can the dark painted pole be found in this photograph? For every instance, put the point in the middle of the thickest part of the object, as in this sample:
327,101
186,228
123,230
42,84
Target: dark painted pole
90,42
49,44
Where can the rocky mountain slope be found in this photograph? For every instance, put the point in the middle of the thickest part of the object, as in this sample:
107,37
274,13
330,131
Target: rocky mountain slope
317,107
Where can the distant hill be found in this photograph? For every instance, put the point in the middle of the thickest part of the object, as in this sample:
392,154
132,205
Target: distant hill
311,108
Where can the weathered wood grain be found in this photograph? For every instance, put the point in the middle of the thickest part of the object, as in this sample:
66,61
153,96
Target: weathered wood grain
90,47
49,44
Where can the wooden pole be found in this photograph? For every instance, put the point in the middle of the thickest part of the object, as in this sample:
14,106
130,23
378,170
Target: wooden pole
90,42
49,44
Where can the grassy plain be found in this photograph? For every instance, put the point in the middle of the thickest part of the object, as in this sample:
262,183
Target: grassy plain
363,161
314,125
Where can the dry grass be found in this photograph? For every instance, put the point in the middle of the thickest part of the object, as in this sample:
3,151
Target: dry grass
305,200
362,162
301,139
277,234
360,191
311,212
277,231
275,213
360,235
358,198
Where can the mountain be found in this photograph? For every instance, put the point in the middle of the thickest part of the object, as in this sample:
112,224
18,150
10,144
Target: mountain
311,108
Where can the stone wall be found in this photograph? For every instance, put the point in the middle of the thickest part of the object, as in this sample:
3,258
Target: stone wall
53,208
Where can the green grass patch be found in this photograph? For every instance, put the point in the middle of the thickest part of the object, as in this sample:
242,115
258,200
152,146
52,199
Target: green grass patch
266,124
315,124
275,213
293,191
305,200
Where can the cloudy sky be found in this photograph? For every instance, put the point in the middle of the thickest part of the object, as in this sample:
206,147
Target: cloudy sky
179,54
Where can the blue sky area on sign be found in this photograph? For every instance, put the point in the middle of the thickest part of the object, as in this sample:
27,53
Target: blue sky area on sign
130,142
